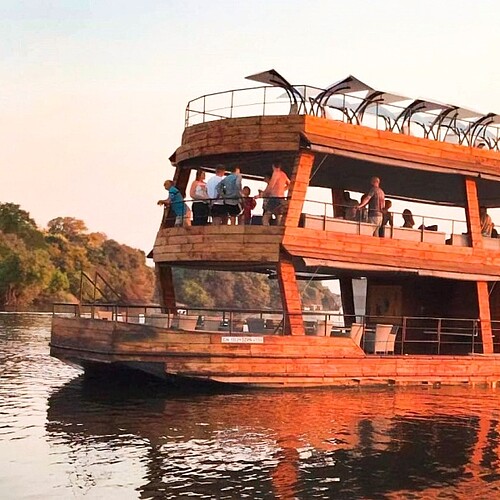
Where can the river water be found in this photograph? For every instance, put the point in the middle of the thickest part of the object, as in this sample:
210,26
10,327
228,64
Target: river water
62,436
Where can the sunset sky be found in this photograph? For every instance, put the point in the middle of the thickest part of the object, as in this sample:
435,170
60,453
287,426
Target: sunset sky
93,92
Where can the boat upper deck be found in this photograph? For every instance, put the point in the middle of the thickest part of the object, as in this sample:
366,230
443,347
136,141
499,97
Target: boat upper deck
420,148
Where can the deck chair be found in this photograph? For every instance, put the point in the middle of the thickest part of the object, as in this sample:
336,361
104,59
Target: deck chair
356,333
106,315
385,337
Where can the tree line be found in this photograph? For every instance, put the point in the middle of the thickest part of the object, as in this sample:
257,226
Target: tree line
39,266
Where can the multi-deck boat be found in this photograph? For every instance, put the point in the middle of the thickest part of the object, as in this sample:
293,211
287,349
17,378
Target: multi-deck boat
430,308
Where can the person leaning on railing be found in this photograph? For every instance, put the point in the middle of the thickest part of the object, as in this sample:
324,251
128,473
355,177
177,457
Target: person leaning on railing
375,199
175,202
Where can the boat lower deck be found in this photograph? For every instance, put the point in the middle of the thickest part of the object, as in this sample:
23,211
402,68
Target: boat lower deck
257,360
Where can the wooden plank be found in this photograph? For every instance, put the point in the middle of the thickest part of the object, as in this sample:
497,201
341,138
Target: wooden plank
371,250
400,146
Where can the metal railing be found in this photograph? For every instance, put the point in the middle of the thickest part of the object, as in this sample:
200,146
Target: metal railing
478,130
404,334
417,227
320,215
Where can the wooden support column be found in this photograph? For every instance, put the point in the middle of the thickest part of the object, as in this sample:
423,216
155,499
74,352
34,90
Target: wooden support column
338,202
181,179
298,188
347,297
483,298
166,290
472,213
290,297
474,229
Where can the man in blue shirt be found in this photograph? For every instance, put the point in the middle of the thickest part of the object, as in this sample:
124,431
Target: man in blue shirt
175,202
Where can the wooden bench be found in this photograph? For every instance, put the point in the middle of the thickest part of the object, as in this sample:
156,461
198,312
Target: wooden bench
408,234
491,243
337,225
353,227
460,240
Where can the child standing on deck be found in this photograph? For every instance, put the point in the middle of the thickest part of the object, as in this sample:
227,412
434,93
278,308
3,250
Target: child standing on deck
248,205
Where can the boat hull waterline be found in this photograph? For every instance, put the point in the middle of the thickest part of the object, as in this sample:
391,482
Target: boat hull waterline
255,360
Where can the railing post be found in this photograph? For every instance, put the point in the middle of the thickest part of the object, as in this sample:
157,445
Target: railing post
439,335
264,103
403,334
232,103
204,108
474,330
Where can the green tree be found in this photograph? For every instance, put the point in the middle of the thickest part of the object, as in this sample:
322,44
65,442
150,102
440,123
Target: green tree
14,220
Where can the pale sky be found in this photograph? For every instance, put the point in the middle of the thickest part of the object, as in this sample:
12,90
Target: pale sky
93,93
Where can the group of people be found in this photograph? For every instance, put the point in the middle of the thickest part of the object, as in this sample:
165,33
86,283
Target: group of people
378,207
224,199
379,210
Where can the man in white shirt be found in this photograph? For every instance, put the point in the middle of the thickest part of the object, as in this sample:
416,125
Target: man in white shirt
218,211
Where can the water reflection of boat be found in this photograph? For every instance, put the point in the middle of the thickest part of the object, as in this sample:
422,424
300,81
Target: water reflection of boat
345,444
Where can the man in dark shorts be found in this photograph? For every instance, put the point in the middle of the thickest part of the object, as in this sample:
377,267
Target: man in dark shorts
375,199
275,194
229,189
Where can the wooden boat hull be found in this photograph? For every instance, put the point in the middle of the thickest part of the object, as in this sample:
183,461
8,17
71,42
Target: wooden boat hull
255,360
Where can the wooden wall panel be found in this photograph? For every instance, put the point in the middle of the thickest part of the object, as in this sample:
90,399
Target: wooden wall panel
430,155
362,250
218,243
257,133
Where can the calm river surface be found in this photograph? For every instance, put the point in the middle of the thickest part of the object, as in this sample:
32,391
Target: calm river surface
63,437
